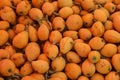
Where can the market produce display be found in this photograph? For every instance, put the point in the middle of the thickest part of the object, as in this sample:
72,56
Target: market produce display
59,39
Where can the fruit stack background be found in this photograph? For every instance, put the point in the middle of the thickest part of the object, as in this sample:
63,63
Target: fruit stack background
59,39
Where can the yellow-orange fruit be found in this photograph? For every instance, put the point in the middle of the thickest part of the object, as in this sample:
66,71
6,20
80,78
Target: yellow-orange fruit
52,52
83,12
88,68
108,25
78,40
37,3
65,3
83,78
108,1
18,59
100,15
8,15
82,49
84,34
76,9
1,78
118,7
116,23
55,37
4,36
114,14
38,76
72,68
97,29
100,1
4,54
4,25
66,44
112,76
16,71
11,33
115,62
87,19
109,50
118,48
26,69
88,5
97,76
36,14
40,66
26,20
73,57
105,11
96,43
55,5
58,64
58,24
46,46
74,22
28,78
7,67
44,57
116,1
43,30
110,7
72,34
65,12
10,49
5,3
55,78
32,51
112,36
94,56
48,8
60,75
20,40
23,8
19,28
15,2
32,32
103,66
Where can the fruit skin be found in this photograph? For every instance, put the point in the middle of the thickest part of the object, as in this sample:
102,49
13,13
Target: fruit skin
83,78
112,76
82,49
74,22
32,51
43,30
4,54
103,66
94,56
65,3
20,40
40,66
3,37
38,76
88,68
26,69
97,76
116,24
109,50
115,62
48,8
60,75
28,78
58,66
112,36
72,68
7,67
66,44
97,29
96,43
